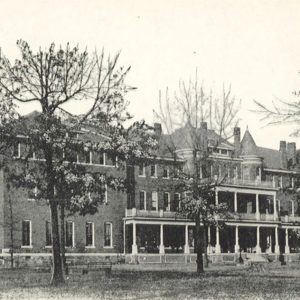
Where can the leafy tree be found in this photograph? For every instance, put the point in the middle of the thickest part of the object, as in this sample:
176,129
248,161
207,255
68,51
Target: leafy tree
184,117
57,79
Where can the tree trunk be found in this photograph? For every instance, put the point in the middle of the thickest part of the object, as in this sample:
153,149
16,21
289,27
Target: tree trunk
62,237
11,227
205,245
57,272
200,268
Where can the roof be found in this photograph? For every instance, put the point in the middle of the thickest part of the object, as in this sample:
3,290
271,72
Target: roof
272,158
248,146
183,138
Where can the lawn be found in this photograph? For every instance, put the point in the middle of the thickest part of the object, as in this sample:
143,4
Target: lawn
159,282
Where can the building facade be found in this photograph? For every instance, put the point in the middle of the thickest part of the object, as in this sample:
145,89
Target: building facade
259,186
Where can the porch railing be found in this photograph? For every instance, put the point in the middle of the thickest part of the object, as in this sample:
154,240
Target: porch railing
133,212
244,182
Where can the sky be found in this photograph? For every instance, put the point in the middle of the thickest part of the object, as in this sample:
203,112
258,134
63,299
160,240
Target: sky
254,46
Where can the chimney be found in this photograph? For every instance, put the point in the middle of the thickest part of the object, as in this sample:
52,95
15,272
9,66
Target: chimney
237,140
203,130
291,153
157,130
283,154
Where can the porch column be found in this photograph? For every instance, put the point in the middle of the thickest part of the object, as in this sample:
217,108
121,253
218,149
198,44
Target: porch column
258,249
218,247
275,208
216,197
134,245
236,246
277,251
208,240
287,247
186,245
161,246
235,202
257,207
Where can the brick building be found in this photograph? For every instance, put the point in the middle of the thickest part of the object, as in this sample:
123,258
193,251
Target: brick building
257,187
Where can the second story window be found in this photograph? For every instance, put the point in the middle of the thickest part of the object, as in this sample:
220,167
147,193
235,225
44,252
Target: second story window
166,173
142,200
154,201
167,201
153,170
176,201
142,170
16,151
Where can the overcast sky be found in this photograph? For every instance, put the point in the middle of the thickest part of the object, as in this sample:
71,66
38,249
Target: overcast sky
252,45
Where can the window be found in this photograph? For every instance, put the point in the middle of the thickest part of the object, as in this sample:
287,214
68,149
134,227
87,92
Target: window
48,234
98,158
111,159
84,157
89,234
107,234
142,169
142,200
95,196
69,234
167,201
176,201
17,150
153,172
154,201
224,152
26,233
166,173
70,155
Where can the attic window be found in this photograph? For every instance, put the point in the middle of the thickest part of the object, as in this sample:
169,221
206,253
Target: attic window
224,152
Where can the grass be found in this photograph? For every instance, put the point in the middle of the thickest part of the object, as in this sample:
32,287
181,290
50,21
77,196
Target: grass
159,282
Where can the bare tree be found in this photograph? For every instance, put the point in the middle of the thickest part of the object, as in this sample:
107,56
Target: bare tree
188,111
281,112
56,79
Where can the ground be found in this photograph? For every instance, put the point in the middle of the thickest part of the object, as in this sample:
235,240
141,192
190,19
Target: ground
159,282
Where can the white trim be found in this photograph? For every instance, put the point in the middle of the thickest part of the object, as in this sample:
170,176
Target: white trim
105,195
281,171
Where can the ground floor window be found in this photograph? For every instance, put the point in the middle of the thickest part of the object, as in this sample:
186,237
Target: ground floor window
48,234
69,234
107,234
89,233
26,233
